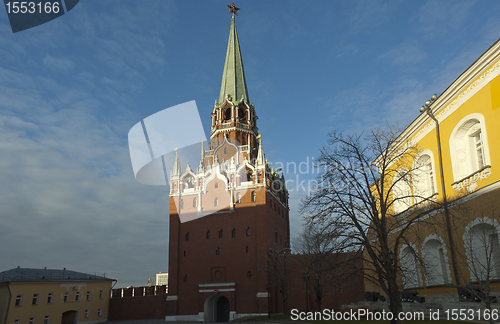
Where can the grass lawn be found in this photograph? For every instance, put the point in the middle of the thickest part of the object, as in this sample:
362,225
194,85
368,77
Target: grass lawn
287,318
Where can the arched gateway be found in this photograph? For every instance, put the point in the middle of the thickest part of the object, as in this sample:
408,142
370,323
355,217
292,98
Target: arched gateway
216,309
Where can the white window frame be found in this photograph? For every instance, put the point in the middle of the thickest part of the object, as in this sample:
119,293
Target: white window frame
476,260
20,298
50,298
418,172
401,186
435,256
410,267
46,320
463,154
66,297
34,302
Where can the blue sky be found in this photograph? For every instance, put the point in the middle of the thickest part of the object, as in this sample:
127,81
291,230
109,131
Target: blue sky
71,89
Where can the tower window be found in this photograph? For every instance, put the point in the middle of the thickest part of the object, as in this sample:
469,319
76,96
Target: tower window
248,231
216,185
225,150
187,236
238,198
216,201
246,249
208,234
233,232
276,236
184,253
195,203
254,196
217,251
227,114
241,114
220,233
185,278
249,274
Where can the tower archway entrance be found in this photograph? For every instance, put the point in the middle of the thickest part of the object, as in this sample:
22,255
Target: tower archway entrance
216,309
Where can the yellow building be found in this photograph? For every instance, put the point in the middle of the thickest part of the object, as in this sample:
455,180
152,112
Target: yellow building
48,296
440,257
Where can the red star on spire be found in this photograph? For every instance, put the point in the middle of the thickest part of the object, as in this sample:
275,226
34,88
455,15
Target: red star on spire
232,9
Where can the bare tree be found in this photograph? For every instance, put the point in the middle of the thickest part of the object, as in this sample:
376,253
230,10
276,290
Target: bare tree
277,271
363,188
317,252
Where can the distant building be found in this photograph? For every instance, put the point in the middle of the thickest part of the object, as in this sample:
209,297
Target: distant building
48,296
162,279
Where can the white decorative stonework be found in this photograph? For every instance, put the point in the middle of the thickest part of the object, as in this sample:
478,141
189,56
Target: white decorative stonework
465,95
470,183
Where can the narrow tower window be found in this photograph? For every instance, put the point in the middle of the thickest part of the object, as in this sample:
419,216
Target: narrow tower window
248,231
220,233
233,232
217,251
254,196
187,236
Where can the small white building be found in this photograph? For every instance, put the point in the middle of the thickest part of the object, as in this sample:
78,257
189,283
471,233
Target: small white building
162,279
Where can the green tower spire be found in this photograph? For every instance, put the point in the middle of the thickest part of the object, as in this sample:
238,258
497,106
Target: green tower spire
233,77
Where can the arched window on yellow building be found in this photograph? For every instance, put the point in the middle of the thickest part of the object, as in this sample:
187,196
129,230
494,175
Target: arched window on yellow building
410,267
401,191
483,249
469,146
424,176
436,266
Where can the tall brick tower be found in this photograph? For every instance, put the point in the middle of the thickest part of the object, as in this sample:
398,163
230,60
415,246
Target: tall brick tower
234,211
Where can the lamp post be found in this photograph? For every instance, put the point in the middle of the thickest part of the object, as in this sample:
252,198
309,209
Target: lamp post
268,288
305,275
427,109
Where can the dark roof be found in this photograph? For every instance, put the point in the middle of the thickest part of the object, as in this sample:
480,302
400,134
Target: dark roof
47,275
